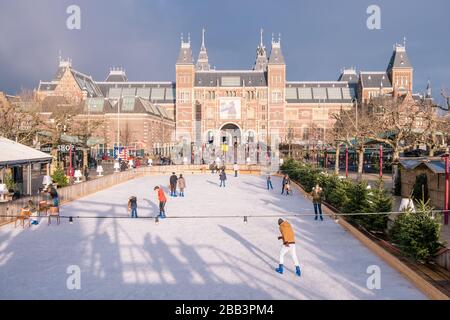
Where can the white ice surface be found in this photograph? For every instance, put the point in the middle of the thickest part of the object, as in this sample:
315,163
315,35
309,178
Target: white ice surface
190,258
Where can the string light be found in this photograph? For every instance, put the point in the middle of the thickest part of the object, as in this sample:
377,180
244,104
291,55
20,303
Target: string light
245,219
156,220
71,220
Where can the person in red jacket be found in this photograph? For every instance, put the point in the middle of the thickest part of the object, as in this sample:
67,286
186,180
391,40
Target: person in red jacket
162,201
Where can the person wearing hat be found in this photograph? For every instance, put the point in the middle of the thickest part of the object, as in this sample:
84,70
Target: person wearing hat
288,237
162,201
173,184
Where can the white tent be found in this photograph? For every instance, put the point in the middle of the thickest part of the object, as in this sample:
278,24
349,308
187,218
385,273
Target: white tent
13,154
16,154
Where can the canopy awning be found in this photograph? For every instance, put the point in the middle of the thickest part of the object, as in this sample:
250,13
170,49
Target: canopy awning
16,154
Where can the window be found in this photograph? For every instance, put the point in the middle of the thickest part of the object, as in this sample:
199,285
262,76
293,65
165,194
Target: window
277,96
158,94
143,93
320,133
95,104
251,137
184,97
127,104
305,133
231,81
291,93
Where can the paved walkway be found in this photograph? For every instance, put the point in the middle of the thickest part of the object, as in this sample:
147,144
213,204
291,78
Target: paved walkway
220,258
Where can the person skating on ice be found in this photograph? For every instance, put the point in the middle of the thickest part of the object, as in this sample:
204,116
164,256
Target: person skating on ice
181,185
162,201
132,206
173,184
288,237
269,182
223,178
317,195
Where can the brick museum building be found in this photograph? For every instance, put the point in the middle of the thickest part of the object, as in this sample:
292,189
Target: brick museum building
236,113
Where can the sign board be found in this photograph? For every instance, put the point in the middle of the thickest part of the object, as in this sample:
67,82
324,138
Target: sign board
230,109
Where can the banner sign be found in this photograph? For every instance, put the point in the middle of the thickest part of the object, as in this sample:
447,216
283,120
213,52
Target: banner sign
230,109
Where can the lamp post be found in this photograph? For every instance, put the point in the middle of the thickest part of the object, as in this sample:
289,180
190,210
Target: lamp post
381,161
346,161
446,189
118,127
356,112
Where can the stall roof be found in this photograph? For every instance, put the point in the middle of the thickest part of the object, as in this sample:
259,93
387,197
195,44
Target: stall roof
435,164
15,154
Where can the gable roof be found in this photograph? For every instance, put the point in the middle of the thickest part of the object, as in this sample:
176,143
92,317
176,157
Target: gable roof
435,164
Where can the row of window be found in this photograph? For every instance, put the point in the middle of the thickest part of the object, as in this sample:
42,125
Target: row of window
184,95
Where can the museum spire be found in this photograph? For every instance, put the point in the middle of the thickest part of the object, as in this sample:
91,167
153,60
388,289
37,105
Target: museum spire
261,55
203,61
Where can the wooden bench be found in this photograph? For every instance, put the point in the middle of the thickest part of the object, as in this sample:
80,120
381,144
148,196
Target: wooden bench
25,214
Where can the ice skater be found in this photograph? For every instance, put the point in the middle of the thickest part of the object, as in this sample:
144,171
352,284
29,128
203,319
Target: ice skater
287,186
236,169
223,178
288,237
132,206
181,185
269,182
317,195
283,183
173,184
162,201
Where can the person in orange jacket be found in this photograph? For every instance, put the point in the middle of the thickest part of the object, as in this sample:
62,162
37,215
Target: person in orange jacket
162,201
288,237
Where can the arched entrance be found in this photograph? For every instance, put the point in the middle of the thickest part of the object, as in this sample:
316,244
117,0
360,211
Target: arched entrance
231,136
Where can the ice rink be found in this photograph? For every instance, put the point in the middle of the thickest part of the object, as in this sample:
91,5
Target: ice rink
200,258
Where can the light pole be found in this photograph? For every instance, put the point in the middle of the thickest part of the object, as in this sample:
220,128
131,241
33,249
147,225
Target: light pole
446,189
381,161
346,161
118,127
354,100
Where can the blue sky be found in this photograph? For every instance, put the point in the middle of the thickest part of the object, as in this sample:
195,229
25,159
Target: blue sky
318,37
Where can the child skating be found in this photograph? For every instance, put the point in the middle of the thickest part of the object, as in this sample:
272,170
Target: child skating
132,206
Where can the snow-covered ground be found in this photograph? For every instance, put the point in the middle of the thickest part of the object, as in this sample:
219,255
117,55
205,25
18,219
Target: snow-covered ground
220,258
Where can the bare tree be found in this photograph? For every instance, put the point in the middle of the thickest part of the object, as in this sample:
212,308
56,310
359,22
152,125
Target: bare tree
432,128
352,130
395,122
19,119
334,138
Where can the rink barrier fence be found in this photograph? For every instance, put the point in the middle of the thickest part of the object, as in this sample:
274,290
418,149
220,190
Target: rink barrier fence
79,190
